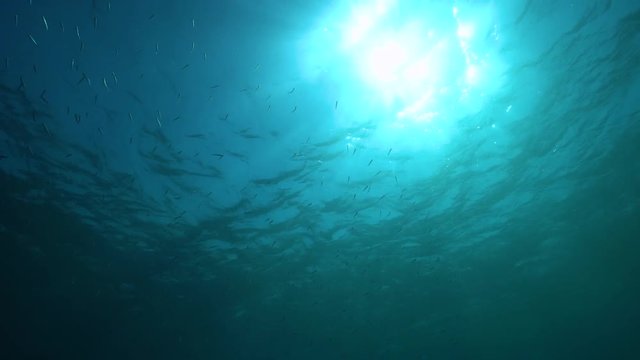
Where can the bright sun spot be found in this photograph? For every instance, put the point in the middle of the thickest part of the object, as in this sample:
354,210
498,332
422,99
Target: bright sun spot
384,60
427,63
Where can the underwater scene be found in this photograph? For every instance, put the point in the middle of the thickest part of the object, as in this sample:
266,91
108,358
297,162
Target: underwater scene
313,179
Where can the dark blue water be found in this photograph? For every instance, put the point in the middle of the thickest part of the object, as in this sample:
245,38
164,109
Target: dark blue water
319,180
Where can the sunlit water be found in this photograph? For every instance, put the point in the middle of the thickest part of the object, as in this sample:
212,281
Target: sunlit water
320,180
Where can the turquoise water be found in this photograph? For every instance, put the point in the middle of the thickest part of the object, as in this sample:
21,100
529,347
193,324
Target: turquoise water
320,180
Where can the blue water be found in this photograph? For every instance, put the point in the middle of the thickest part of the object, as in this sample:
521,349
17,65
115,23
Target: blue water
319,180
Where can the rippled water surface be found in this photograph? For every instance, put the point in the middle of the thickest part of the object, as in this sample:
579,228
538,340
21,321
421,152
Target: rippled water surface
320,180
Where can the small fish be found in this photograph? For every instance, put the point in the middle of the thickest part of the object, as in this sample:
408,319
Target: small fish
46,24
115,78
294,109
214,86
95,22
348,179
73,63
389,152
130,117
78,32
3,156
396,176
46,129
42,97
83,78
77,118
354,151
135,97
81,45
159,123
61,26
16,20
104,82
157,48
176,118
185,67
35,68
204,55
109,6
220,156
100,130
370,161
33,40
193,45
152,16
21,86
335,107
193,23
292,90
